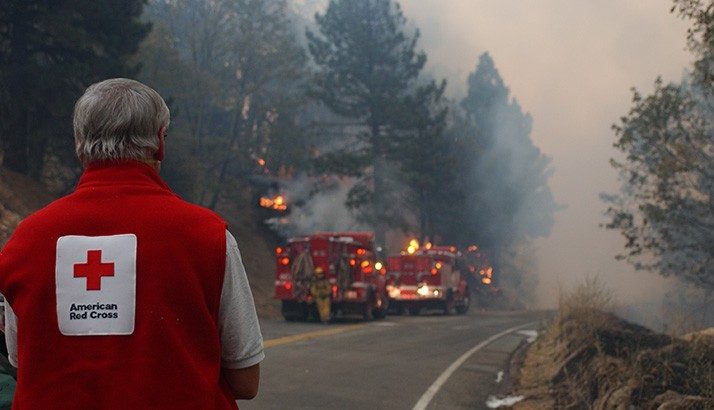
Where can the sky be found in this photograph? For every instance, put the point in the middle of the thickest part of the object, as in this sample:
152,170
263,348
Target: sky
571,64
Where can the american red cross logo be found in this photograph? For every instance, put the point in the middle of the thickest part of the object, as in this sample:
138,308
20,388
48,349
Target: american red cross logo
93,270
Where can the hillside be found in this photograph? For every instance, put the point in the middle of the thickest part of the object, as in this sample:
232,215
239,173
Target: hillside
20,196
592,359
256,244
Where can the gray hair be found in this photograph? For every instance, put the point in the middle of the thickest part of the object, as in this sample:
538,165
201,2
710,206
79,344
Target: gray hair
118,119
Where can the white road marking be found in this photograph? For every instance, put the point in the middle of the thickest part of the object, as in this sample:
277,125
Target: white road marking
531,335
439,382
384,324
494,402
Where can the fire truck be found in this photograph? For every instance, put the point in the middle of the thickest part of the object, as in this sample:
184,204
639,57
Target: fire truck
481,277
357,281
430,278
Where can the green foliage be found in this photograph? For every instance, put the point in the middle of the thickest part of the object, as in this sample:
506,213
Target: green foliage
665,208
233,70
50,51
366,63
368,74
426,158
503,175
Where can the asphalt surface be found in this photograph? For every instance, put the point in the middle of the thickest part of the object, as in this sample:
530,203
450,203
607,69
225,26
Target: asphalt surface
388,364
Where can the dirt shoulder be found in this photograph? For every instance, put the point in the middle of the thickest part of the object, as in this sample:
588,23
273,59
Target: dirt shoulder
592,359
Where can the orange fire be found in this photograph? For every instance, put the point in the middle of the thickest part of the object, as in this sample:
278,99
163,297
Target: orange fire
276,203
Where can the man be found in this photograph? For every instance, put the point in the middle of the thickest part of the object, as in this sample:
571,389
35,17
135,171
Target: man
121,295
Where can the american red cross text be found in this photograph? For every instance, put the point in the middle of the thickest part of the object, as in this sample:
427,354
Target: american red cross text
93,270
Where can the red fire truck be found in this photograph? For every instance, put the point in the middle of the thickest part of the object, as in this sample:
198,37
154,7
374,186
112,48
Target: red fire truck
427,279
348,262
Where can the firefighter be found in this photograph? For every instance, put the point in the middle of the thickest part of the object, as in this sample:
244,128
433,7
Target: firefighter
320,290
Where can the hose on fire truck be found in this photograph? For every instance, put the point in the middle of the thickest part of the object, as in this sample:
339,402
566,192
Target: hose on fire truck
301,271
344,278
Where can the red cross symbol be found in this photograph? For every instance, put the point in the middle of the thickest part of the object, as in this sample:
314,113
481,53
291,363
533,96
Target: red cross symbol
93,270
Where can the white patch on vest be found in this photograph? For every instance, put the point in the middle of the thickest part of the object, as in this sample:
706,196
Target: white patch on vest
95,279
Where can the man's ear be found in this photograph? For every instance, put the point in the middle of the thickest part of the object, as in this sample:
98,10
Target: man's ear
159,155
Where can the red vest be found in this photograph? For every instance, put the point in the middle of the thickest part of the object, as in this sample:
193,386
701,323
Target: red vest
172,358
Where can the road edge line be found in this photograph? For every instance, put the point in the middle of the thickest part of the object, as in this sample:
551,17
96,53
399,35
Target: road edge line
429,394
310,335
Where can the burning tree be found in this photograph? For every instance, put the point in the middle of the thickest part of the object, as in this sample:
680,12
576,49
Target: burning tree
665,208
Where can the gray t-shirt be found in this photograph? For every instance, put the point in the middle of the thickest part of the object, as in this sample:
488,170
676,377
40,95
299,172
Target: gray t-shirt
241,340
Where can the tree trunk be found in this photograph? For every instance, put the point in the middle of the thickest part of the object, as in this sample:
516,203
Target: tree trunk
234,131
424,222
16,145
378,205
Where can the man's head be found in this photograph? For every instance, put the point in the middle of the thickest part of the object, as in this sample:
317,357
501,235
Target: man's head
120,119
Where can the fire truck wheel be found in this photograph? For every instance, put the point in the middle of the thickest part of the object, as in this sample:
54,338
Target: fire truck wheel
293,312
463,307
449,303
381,312
396,308
368,307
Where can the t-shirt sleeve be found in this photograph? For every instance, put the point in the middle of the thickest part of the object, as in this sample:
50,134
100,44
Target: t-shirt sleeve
11,334
241,340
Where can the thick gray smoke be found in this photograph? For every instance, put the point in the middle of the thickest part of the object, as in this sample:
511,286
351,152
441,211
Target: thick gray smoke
574,76
316,204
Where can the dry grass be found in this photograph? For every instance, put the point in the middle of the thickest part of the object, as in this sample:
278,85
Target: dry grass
588,358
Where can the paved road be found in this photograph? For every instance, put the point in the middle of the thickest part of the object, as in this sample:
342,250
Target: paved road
387,364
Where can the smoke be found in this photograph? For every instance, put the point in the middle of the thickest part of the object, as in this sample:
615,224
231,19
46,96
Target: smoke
571,64
316,204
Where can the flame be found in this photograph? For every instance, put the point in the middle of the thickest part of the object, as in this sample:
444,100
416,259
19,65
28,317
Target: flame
276,203
413,246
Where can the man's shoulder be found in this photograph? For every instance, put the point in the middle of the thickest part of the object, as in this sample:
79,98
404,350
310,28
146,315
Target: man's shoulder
46,214
35,225
198,211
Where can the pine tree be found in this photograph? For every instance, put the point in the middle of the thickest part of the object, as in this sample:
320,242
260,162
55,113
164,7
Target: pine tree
426,159
50,51
503,174
367,70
